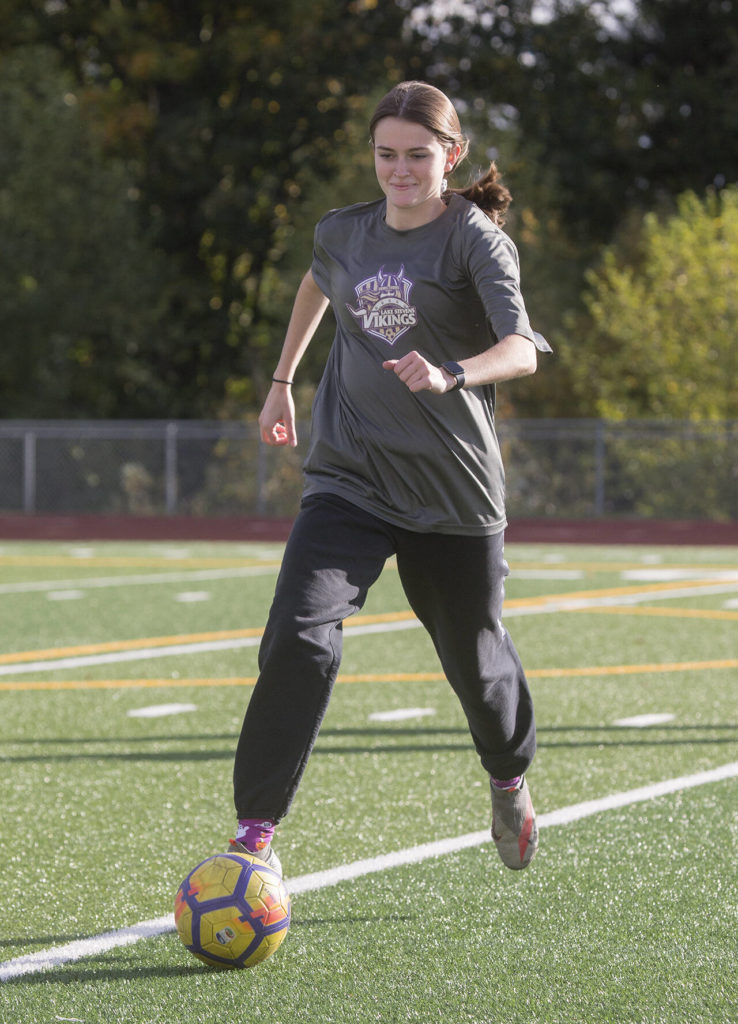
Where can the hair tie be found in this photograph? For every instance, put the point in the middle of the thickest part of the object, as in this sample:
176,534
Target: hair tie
278,381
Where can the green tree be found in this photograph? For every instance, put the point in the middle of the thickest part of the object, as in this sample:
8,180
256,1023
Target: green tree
658,338
680,91
614,112
229,114
536,95
229,127
595,119
78,281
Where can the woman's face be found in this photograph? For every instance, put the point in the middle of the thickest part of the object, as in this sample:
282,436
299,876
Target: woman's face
411,164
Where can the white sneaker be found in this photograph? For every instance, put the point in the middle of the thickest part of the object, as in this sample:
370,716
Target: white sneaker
514,828
268,856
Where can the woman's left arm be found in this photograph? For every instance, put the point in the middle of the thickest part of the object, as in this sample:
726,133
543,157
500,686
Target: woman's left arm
512,356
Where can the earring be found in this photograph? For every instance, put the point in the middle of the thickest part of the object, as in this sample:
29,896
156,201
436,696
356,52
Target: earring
444,186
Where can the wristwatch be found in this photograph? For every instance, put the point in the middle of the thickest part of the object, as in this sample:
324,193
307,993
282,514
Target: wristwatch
457,371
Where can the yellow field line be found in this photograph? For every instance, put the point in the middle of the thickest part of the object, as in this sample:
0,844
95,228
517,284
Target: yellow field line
125,645
630,670
18,657
213,561
374,677
677,613
578,595
595,567
124,684
129,562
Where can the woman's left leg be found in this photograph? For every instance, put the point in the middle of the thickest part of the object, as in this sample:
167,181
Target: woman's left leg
455,585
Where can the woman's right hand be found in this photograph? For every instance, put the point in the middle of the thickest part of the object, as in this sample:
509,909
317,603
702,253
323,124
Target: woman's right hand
277,418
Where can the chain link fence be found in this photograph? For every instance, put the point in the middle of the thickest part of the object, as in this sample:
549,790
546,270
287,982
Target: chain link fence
555,468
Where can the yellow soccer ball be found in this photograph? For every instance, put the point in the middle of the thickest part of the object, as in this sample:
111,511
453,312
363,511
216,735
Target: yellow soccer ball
232,910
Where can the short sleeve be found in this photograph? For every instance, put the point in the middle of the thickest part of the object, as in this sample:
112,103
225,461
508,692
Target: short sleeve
321,260
492,263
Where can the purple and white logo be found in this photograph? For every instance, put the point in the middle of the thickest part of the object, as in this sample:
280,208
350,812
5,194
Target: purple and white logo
383,306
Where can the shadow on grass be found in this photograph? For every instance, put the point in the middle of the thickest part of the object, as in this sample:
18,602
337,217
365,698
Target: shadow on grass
68,975
448,738
39,940
72,973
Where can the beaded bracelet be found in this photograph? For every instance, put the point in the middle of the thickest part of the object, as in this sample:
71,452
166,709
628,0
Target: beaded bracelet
278,381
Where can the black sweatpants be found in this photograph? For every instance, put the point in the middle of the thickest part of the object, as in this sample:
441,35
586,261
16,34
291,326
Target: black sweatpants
455,586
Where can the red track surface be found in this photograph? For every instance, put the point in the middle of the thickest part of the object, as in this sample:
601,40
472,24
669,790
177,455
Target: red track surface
539,531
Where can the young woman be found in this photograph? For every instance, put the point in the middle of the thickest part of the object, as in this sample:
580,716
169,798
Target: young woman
403,460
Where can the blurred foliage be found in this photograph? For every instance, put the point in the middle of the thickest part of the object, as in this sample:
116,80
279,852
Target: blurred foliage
597,118
576,468
615,111
691,477
78,279
582,468
659,333
227,114
165,163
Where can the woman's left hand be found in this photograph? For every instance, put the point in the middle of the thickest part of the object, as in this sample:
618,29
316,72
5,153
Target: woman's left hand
419,375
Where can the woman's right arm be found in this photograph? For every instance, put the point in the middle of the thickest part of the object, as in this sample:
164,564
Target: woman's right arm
277,418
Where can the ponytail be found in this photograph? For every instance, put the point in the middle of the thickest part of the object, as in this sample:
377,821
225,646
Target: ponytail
488,193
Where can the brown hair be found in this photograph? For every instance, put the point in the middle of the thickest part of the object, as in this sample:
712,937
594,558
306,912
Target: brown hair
425,105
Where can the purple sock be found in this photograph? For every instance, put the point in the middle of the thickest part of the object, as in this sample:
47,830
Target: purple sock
255,834
508,784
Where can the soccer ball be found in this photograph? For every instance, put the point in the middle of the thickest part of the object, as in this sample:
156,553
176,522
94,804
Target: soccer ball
232,910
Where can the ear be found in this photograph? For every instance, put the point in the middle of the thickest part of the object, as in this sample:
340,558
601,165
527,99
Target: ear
452,156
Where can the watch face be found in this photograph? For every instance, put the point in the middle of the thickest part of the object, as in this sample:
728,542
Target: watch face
456,371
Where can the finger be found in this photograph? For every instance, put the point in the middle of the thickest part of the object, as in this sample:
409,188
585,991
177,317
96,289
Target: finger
287,433
276,434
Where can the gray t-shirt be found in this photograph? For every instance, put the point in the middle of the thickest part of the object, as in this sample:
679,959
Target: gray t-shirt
448,289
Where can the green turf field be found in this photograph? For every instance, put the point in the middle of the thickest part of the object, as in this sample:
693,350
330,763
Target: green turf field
124,673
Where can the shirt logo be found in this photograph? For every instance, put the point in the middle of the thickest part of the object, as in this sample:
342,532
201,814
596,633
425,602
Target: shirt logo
383,306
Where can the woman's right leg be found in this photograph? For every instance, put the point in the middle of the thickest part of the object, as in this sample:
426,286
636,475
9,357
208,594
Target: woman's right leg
334,554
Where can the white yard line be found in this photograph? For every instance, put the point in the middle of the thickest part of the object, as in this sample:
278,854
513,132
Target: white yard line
140,654
137,579
573,603
45,959
564,816
563,604
641,721
173,650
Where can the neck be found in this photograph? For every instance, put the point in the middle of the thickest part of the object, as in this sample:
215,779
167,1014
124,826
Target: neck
404,220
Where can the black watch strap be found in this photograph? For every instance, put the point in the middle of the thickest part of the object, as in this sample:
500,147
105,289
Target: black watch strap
457,371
